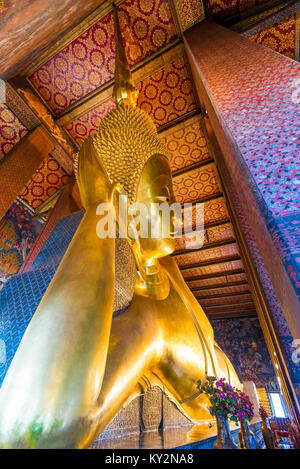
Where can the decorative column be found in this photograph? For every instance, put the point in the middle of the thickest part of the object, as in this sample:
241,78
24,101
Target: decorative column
249,95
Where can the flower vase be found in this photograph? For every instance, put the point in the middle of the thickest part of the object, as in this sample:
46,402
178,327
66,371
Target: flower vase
246,438
224,440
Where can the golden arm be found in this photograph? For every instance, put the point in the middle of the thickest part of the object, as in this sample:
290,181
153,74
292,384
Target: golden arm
48,396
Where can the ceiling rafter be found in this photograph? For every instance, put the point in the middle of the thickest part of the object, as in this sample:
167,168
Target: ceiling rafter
219,285
266,8
222,260
223,295
204,199
102,10
216,275
210,224
181,120
198,165
241,302
231,315
205,247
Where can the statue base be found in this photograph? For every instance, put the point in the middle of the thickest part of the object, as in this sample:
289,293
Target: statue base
151,412
152,421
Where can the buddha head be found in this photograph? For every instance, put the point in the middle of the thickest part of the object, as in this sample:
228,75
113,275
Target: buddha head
128,154
131,157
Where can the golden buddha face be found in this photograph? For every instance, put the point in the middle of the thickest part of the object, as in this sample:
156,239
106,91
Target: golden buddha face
155,188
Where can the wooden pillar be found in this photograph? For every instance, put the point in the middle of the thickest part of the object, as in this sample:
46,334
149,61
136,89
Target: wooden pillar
247,94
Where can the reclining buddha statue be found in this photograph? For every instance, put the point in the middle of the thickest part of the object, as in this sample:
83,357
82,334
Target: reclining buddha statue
77,363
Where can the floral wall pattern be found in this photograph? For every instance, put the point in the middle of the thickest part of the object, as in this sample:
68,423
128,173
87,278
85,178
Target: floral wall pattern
279,37
195,184
168,93
11,130
187,145
89,61
47,180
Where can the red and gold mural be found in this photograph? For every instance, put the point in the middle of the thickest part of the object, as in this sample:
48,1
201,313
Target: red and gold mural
165,95
214,211
189,12
18,232
219,233
243,342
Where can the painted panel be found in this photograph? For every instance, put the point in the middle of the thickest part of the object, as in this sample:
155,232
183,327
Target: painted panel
243,342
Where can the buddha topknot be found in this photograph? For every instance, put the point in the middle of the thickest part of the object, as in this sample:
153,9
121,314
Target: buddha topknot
126,139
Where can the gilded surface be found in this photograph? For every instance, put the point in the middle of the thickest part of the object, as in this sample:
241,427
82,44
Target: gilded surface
77,366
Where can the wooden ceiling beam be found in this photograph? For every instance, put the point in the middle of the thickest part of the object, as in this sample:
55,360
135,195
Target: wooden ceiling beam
216,275
223,295
219,285
204,199
222,260
231,315
168,126
256,10
228,308
241,302
200,164
270,15
30,27
211,224
205,247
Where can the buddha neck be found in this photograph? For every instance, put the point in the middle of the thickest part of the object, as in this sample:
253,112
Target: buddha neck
152,281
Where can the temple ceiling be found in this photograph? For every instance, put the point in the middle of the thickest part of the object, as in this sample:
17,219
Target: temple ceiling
67,89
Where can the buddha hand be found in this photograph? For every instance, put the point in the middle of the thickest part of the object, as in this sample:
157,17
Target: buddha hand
93,183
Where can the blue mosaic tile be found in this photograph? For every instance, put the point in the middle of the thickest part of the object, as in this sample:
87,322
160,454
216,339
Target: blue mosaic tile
22,294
